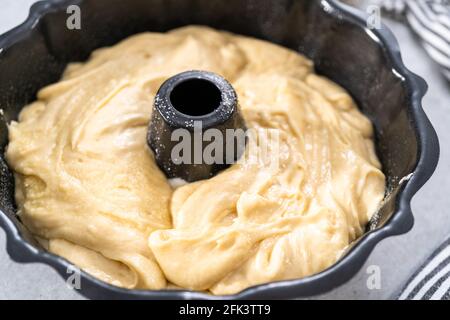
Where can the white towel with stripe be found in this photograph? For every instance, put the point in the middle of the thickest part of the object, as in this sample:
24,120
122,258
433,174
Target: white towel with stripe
432,280
430,20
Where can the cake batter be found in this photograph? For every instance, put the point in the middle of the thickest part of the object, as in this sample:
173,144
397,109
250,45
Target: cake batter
88,188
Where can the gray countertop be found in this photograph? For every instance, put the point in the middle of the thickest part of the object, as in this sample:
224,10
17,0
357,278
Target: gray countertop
395,257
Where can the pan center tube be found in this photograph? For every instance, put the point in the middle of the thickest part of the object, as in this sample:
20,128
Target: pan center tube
196,129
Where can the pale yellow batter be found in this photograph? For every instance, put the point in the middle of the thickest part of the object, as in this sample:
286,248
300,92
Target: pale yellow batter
87,185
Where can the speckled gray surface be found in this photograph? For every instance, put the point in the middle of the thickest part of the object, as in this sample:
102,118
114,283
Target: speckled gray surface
396,258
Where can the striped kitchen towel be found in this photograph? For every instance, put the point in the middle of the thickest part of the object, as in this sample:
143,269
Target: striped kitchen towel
430,20
432,280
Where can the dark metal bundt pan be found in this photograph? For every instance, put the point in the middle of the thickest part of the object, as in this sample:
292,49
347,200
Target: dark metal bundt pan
366,62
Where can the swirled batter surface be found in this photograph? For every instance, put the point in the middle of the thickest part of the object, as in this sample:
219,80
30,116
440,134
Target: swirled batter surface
88,187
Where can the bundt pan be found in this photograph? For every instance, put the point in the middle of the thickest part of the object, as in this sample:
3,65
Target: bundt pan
366,62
